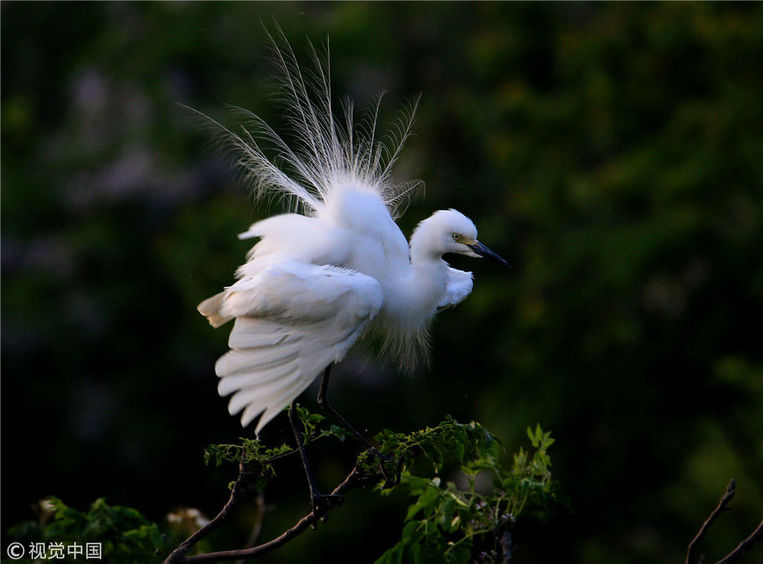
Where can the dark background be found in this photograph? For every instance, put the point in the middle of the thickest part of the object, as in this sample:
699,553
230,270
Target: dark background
612,152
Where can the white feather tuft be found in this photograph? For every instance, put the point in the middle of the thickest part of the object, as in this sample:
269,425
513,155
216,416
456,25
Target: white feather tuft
329,152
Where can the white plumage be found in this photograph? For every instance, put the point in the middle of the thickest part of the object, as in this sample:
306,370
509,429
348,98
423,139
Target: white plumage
340,273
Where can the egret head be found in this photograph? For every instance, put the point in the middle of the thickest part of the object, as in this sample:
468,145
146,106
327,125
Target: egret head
449,231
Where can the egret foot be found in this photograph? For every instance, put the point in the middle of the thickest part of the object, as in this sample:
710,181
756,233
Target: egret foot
385,460
381,458
324,403
321,503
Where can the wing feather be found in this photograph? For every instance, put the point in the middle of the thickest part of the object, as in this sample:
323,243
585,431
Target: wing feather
292,319
254,372
252,393
459,287
241,360
260,335
274,403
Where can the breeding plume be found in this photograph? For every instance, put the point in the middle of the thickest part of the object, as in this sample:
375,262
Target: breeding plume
338,273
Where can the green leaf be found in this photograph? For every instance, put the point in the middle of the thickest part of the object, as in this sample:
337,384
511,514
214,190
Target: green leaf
444,524
338,432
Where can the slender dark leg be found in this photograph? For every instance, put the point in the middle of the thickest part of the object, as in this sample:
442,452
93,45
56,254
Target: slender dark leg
324,403
317,499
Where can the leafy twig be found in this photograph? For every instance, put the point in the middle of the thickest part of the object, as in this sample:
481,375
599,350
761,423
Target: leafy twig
442,520
179,554
255,464
353,480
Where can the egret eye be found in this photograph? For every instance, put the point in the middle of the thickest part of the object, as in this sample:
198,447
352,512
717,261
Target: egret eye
456,236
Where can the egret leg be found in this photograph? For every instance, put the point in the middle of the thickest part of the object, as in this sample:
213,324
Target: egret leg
323,402
319,502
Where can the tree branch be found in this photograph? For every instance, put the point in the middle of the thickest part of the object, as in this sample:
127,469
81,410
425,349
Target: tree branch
728,494
506,547
756,535
179,554
257,525
470,443
732,556
354,479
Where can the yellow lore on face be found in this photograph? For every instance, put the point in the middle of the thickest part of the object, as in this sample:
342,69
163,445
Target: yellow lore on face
463,239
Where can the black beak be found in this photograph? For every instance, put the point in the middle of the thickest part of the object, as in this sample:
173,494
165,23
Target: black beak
483,251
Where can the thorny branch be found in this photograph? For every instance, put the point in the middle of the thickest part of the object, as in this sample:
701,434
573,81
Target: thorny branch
732,556
354,479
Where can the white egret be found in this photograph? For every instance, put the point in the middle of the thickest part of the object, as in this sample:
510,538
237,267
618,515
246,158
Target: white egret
340,274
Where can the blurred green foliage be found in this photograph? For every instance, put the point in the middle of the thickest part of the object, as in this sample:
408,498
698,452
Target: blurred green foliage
121,534
612,151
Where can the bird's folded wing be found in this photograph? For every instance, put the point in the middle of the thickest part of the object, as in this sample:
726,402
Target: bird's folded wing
292,320
459,286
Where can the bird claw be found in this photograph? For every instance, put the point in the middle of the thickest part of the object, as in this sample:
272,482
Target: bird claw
385,459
